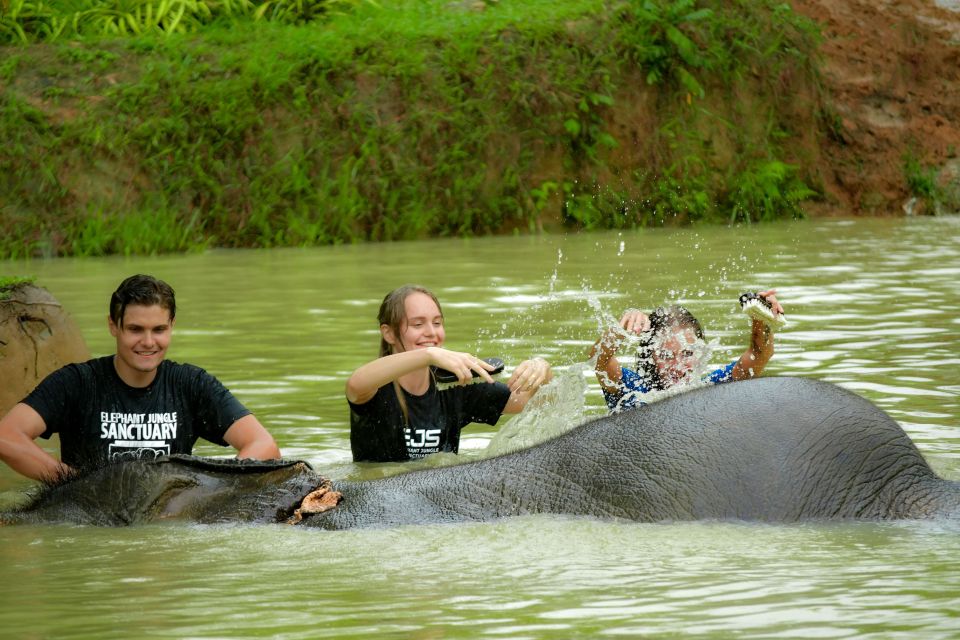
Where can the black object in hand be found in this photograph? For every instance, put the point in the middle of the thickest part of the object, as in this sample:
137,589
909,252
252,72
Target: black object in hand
442,375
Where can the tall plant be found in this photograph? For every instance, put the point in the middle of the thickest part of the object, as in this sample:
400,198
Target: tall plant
659,44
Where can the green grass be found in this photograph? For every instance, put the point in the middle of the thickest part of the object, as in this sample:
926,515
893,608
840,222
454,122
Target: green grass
934,195
26,21
405,119
9,284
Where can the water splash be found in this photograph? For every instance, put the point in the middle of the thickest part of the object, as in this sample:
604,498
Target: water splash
556,273
556,408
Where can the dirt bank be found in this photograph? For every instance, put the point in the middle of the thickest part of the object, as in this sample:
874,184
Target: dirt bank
553,119
892,74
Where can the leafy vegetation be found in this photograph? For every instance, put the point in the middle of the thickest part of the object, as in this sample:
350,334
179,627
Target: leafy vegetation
933,195
9,284
37,21
259,124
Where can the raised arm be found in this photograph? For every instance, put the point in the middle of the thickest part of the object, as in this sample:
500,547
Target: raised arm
18,430
760,349
607,367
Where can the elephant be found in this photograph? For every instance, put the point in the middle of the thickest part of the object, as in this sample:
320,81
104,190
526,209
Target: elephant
774,449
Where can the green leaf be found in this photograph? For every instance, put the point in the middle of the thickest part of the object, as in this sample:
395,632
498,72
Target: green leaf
608,140
689,82
599,98
685,46
700,14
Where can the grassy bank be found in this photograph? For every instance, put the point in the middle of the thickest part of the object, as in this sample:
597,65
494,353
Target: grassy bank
408,119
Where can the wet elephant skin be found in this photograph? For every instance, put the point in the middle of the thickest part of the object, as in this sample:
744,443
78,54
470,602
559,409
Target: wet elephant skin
772,450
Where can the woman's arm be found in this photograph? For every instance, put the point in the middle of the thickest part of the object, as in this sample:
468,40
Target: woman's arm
526,380
363,384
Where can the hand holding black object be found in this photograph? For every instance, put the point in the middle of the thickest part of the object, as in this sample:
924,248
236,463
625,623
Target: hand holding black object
444,376
765,307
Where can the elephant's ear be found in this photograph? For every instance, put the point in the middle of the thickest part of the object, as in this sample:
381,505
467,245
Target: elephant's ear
230,465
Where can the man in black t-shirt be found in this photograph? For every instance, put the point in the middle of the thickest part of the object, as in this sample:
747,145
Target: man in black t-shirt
133,404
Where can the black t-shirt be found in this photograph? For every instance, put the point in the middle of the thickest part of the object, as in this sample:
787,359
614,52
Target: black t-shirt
101,419
377,431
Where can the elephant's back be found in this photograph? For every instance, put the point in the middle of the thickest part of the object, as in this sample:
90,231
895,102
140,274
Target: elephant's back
766,449
773,449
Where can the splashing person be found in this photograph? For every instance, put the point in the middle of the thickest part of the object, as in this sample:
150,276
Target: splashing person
672,354
396,410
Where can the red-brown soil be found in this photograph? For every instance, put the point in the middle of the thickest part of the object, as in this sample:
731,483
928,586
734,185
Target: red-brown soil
892,76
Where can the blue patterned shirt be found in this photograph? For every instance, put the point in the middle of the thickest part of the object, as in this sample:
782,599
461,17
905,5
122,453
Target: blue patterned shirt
632,386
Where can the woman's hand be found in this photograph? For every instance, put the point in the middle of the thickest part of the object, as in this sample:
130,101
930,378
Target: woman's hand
362,385
530,375
526,380
462,365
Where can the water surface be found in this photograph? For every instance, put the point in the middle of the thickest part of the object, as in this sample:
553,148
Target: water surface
873,305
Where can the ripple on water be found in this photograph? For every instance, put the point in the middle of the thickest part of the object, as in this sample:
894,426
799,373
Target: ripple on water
873,305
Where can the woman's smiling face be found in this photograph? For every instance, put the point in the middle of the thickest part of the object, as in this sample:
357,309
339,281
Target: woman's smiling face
423,325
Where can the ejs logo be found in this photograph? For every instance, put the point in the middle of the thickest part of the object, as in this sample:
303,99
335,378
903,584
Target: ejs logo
423,438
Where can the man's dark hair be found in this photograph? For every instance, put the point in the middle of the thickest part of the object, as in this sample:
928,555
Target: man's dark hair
141,290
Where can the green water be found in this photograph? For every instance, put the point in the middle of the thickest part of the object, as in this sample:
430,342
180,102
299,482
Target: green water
873,305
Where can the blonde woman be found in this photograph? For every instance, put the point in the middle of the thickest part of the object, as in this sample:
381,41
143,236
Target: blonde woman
396,410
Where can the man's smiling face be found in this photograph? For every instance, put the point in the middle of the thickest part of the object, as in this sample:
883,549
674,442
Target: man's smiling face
142,342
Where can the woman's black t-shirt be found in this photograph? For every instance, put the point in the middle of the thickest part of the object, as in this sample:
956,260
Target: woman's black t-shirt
101,419
377,432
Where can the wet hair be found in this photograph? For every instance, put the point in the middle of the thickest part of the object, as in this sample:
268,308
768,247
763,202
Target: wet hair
393,313
141,290
662,320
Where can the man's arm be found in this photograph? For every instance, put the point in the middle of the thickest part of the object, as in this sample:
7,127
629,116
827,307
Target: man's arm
251,439
755,358
18,430
760,350
607,367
